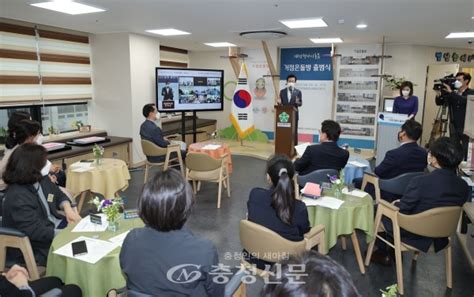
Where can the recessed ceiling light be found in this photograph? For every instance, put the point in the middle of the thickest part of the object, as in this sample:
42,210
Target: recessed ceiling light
220,44
304,23
68,7
460,35
326,40
168,32
361,26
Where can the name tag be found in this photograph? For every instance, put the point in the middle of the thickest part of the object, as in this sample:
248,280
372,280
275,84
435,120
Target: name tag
130,214
95,219
50,198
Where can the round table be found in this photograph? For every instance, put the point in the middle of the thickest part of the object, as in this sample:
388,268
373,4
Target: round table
106,179
354,213
200,147
94,279
352,171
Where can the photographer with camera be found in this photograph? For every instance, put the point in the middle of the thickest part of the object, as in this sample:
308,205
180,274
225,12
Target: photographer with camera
454,95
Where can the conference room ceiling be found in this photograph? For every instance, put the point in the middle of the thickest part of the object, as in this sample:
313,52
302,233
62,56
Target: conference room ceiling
424,22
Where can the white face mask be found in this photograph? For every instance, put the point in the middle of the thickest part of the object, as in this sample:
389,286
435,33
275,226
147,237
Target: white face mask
46,168
39,139
457,84
405,93
291,84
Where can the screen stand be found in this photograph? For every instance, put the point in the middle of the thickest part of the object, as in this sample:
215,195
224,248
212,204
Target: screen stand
183,127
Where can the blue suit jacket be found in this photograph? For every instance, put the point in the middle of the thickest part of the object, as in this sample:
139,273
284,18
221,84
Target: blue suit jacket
442,187
409,157
151,132
326,155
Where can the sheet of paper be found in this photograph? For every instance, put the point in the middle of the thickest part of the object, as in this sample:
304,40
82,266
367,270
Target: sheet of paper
81,169
358,164
356,193
119,238
85,225
324,201
96,249
89,139
300,148
211,146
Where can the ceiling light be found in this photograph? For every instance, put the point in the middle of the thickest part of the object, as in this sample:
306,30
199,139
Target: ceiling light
326,40
220,44
361,26
460,35
304,23
168,32
68,7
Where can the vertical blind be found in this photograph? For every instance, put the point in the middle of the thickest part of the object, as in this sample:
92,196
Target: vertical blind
39,65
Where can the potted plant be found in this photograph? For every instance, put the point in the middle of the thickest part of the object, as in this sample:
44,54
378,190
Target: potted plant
394,84
98,153
52,131
111,208
77,125
390,291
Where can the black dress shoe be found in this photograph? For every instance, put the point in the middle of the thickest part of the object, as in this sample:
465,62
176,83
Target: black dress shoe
381,258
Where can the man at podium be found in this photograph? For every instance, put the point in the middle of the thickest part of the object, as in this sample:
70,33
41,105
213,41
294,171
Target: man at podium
291,96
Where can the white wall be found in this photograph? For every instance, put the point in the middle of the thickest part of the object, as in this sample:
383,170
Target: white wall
123,67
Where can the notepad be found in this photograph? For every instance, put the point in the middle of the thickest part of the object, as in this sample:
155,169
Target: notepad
96,249
87,140
211,146
356,193
81,166
324,201
300,148
311,189
358,164
85,225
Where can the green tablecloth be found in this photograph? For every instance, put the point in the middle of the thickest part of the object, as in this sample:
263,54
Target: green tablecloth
354,213
97,279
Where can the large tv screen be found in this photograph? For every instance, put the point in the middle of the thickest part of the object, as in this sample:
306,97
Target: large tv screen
189,89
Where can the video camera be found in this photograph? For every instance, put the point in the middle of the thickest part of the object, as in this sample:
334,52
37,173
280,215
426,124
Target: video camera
448,79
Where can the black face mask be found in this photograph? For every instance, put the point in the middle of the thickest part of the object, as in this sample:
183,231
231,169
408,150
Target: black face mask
398,137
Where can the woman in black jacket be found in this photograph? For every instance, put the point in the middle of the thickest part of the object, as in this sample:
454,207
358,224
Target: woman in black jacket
32,202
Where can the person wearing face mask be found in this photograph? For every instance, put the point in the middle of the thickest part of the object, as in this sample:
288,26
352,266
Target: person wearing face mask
32,203
167,92
292,96
408,157
456,100
406,103
442,187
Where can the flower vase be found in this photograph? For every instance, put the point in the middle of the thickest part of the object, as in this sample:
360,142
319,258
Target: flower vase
338,193
113,226
98,161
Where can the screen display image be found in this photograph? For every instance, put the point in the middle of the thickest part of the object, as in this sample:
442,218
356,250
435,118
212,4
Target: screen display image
189,89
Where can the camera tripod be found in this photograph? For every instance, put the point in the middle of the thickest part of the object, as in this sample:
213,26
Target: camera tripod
440,125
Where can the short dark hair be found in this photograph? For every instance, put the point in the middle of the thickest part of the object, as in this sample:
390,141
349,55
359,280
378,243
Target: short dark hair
406,84
281,172
25,164
166,201
447,151
332,129
291,76
322,277
412,129
25,129
148,108
465,76
16,117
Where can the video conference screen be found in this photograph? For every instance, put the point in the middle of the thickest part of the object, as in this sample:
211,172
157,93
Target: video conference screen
189,89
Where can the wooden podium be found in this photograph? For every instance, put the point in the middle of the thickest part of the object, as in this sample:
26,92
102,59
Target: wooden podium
285,127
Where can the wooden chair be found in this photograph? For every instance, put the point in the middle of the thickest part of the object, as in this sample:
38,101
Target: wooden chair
152,150
396,185
202,167
271,247
15,239
435,223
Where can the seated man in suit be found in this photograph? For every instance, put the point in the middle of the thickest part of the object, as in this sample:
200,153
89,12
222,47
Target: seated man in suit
408,157
151,132
325,155
442,187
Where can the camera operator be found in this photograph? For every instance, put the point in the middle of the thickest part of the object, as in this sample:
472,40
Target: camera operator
456,100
